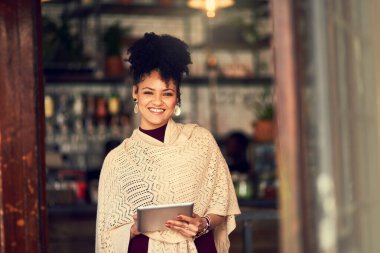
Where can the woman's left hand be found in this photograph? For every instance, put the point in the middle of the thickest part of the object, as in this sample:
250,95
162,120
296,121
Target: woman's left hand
186,225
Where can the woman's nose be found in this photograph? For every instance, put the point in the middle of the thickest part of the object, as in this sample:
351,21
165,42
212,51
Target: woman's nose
157,100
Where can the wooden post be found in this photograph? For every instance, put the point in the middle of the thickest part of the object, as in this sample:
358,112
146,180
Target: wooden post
22,168
289,129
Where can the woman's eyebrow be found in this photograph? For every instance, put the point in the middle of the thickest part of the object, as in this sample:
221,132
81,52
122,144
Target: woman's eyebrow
169,89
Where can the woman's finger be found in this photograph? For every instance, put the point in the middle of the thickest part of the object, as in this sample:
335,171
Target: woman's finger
134,226
184,218
180,224
197,221
182,227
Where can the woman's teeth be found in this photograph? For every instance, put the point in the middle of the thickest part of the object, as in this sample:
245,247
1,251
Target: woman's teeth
156,110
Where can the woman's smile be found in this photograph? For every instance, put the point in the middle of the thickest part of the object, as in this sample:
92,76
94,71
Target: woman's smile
156,110
156,100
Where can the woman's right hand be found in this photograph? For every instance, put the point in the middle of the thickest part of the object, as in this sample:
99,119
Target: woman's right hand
134,231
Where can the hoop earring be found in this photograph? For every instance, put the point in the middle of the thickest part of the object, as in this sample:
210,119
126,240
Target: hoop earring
136,108
177,110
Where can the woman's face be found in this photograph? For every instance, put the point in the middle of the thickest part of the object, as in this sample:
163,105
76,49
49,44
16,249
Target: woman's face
156,100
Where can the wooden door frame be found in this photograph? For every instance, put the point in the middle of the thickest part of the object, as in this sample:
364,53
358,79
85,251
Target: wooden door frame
22,154
289,59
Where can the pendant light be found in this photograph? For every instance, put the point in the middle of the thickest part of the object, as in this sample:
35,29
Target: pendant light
210,5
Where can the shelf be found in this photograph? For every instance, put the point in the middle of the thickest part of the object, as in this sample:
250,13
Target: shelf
250,3
134,9
237,45
156,9
83,79
57,2
244,81
197,81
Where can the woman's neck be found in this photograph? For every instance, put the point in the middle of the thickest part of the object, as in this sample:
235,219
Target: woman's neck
158,133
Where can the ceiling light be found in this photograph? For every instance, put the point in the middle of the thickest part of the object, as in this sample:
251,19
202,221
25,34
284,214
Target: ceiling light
210,5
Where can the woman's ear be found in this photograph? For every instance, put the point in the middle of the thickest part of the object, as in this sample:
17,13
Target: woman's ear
134,92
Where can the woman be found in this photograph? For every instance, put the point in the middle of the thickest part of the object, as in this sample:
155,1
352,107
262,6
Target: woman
164,163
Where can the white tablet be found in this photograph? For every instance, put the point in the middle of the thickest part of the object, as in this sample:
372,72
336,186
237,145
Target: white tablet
153,218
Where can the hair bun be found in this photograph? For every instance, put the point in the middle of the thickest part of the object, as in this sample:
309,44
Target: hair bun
151,35
165,53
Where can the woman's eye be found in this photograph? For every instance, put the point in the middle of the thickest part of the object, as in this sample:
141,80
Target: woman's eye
168,94
148,92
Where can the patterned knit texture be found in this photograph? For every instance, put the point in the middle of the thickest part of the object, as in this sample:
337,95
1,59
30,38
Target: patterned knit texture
187,167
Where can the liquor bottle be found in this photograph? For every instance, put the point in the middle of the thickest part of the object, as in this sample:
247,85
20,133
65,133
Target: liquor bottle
49,107
101,108
114,104
65,147
50,136
90,107
79,144
78,106
63,114
49,115
89,117
244,187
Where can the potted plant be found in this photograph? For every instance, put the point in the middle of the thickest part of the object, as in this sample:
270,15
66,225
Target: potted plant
251,33
62,49
264,124
113,44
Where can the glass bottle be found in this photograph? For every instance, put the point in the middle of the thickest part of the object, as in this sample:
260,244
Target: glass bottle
101,108
114,104
49,107
78,106
244,189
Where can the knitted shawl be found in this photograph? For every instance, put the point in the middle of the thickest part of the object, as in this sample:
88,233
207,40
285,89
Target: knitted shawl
187,167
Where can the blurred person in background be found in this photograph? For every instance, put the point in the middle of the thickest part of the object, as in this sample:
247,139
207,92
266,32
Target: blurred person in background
236,145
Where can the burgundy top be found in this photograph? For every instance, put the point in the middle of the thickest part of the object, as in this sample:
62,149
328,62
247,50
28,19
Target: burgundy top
204,244
158,133
139,244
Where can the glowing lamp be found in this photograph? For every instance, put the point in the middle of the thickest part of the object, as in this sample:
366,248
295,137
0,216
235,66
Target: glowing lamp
210,5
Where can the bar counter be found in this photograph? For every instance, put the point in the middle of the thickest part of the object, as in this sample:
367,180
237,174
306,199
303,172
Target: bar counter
72,228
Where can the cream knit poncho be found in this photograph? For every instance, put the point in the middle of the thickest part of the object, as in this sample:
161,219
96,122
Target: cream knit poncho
142,171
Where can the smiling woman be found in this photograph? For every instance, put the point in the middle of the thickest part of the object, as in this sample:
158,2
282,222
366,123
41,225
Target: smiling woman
156,100
164,162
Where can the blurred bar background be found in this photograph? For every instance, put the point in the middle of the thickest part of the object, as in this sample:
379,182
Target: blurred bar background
88,104
289,89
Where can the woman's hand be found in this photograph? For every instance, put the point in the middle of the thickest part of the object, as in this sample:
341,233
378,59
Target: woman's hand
134,231
186,225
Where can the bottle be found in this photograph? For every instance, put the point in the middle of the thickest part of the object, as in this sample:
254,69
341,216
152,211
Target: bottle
49,115
101,108
114,104
79,144
244,189
78,106
49,107
63,114
90,106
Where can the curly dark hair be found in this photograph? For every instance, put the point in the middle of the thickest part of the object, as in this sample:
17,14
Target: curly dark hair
164,53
